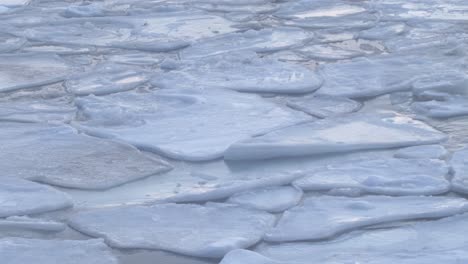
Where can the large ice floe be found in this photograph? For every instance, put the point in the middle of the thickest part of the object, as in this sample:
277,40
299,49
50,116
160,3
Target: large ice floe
423,242
333,135
21,197
19,71
21,251
243,72
211,230
380,176
157,121
58,155
325,217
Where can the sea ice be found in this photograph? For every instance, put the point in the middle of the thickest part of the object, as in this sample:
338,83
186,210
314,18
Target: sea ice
417,243
21,197
243,72
58,155
21,251
9,42
459,164
28,70
157,121
323,106
265,40
381,176
452,106
106,79
210,231
18,224
338,134
242,256
384,31
422,152
326,216
36,110
272,199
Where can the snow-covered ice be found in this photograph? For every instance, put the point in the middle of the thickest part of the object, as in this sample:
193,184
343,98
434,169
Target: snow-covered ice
58,155
210,231
329,136
380,176
271,199
243,72
323,106
21,251
325,217
422,152
21,197
158,121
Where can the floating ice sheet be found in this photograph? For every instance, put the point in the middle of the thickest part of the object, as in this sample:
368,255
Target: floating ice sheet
106,79
324,106
243,72
19,71
422,152
21,197
60,156
21,251
157,121
324,217
204,231
339,134
380,176
272,199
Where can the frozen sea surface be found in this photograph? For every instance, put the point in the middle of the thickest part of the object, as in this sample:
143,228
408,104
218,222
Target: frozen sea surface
240,132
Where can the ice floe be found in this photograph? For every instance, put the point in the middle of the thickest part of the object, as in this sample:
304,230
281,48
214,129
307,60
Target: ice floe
36,110
21,197
380,176
324,217
9,42
157,121
416,243
19,71
328,136
272,199
21,251
58,155
323,106
204,231
422,152
459,163
106,79
20,224
243,72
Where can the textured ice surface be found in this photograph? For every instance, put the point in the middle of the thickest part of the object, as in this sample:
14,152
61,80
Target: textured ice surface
380,176
422,152
459,163
417,243
383,31
15,3
21,251
272,199
36,110
60,156
29,70
242,256
450,107
243,72
9,42
16,224
324,217
157,121
324,106
106,79
21,197
205,231
328,136
266,40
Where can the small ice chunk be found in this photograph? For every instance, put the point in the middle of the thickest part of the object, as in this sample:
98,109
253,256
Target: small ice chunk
35,110
9,42
243,72
18,224
383,31
157,121
451,106
324,217
459,164
58,155
324,106
338,134
422,152
15,3
446,82
272,199
106,79
203,231
265,40
21,197
38,251
380,176
28,70
328,52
